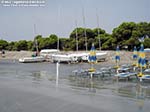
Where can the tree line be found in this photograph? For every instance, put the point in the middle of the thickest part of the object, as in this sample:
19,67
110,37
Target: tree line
126,35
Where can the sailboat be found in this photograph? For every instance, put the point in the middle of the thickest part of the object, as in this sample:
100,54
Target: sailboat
31,59
92,60
141,60
34,58
123,72
143,74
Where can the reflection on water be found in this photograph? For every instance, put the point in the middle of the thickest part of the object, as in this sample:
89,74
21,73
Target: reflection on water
46,73
41,76
129,90
82,82
87,82
140,95
37,76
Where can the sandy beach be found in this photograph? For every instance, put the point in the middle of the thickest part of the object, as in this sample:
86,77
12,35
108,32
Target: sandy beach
16,54
126,57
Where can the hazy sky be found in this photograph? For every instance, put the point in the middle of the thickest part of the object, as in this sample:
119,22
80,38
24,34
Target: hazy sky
58,16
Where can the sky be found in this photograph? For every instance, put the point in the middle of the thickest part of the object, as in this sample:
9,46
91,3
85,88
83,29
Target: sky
60,16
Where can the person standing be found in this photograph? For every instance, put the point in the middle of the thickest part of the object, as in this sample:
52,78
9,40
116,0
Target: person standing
3,53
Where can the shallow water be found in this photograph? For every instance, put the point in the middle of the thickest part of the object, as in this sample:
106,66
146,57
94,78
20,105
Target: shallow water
32,87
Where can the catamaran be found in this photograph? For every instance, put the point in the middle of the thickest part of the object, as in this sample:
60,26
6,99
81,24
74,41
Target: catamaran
92,59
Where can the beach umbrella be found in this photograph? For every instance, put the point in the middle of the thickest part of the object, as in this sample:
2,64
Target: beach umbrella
92,56
141,59
117,57
135,55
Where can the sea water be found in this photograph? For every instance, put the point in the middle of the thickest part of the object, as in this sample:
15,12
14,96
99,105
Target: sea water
33,87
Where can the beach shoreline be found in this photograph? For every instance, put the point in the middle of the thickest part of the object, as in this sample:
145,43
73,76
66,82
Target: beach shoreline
126,56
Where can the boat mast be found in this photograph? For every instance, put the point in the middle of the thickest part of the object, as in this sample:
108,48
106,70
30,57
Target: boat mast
57,43
76,36
84,28
98,32
35,40
58,25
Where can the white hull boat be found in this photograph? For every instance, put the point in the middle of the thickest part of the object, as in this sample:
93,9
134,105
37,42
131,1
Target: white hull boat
125,73
85,56
31,59
62,58
75,57
48,52
146,76
101,56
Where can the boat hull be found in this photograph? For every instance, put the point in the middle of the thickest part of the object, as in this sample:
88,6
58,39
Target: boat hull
31,59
